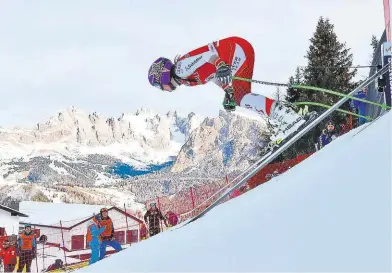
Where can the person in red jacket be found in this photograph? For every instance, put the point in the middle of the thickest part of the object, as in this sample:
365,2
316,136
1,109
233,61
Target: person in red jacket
218,62
172,218
9,254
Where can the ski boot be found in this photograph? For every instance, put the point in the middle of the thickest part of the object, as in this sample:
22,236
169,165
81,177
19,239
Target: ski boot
228,102
291,123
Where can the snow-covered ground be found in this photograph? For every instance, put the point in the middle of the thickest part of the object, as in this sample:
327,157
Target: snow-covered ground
332,212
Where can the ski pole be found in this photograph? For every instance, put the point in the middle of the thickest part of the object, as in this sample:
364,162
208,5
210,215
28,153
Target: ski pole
313,88
339,94
261,82
327,106
36,261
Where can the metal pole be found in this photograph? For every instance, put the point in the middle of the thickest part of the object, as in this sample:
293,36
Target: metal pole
192,198
266,159
36,262
62,235
43,255
126,220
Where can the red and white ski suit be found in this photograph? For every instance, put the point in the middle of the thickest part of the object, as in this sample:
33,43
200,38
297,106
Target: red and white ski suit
195,68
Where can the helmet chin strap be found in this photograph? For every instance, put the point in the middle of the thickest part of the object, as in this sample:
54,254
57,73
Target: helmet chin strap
175,82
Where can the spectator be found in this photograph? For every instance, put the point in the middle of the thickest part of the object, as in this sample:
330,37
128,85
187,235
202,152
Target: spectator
9,254
152,218
58,264
360,106
143,232
27,248
107,236
92,238
172,218
327,135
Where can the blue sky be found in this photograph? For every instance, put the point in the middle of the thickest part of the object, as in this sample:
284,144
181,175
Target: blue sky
95,54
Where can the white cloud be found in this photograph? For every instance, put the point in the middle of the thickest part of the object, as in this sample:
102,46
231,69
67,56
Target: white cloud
95,54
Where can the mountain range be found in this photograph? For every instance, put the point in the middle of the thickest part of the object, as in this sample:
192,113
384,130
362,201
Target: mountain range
87,152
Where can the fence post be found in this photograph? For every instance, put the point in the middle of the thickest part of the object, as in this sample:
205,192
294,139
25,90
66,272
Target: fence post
126,220
62,236
43,254
350,120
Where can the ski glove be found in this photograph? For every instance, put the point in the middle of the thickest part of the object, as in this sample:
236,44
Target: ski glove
223,73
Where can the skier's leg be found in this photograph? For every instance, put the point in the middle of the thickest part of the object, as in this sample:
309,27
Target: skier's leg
94,253
280,114
28,263
116,245
22,261
102,250
242,66
239,55
361,111
257,103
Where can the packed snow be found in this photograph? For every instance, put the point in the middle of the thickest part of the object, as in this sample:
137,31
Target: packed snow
332,212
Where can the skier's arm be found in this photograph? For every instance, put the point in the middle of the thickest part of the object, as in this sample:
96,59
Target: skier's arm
320,141
102,229
18,246
34,247
162,218
146,216
112,234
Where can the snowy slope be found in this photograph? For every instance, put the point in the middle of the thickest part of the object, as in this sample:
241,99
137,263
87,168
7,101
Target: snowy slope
330,213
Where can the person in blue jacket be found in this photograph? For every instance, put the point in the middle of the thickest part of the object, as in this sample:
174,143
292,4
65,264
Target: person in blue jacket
93,232
360,106
327,135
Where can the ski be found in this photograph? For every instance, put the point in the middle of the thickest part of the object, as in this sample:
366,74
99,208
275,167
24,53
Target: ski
274,145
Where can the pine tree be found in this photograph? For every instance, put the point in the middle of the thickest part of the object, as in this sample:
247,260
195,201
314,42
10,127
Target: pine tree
293,94
329,60
278,94
374,45
329,66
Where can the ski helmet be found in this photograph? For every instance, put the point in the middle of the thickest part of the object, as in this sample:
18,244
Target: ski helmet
330,122
160,72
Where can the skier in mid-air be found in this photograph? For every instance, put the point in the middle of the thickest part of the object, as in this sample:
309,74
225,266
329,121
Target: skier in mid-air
219,62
